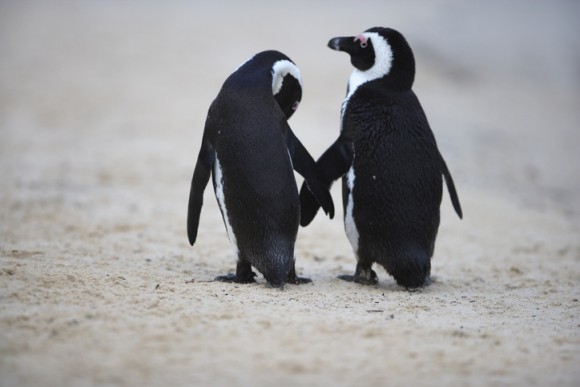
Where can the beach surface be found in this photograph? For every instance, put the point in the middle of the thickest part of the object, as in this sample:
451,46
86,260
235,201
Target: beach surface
102,109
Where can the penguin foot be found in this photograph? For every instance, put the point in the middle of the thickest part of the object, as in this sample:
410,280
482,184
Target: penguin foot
298,280
233,278
363,277
293,279
346,277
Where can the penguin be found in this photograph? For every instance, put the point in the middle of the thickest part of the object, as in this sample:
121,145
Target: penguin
250,152
392,171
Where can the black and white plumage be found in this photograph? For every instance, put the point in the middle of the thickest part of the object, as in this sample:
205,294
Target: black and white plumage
389,162
251,152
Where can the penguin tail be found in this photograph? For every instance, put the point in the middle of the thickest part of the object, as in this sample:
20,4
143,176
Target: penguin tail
276,262
411,268
276,277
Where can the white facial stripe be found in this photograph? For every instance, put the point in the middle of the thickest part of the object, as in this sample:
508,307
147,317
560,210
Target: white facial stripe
280,70
219,193
381,67
349,225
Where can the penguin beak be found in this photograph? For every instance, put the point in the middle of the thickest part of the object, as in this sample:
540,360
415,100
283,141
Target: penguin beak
344,43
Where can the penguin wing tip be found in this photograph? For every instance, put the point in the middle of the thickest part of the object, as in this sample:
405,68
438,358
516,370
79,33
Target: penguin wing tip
329,210
330,213
192,238
307,215
306,219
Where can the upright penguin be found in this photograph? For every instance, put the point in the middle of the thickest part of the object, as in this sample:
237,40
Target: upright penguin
251,152
391,167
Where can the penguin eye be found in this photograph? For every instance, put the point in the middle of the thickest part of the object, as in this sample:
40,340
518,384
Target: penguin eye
363,41
295,105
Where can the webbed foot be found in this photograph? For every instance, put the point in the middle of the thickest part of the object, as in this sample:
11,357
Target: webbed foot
298,280
361,276
293,279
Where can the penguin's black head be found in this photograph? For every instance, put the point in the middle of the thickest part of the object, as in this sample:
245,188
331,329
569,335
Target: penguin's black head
287,86
360,49
270,71
379,53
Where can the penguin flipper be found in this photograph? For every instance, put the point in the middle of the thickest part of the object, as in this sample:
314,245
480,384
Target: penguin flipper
451,189
332,165
305,165
201,175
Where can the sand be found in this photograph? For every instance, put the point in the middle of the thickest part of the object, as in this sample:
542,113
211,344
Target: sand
102,106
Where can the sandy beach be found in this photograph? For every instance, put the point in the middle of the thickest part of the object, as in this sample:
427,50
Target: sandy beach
102,107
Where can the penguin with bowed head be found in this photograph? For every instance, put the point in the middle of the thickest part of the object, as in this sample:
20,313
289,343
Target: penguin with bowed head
392,171
251,152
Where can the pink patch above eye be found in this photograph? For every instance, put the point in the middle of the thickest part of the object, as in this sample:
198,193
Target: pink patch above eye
362,39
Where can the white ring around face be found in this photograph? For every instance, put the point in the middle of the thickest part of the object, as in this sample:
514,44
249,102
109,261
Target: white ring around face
279,70
381,67
383,56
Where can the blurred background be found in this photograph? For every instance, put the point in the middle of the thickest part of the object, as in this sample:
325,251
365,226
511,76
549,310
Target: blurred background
103,105
107,89
103,94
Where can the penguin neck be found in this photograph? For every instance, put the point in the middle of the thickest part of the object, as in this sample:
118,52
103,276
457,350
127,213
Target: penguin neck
357,78
388,82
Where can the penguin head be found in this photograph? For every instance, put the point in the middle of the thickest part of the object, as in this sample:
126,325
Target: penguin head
270,72
378,53
286,86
